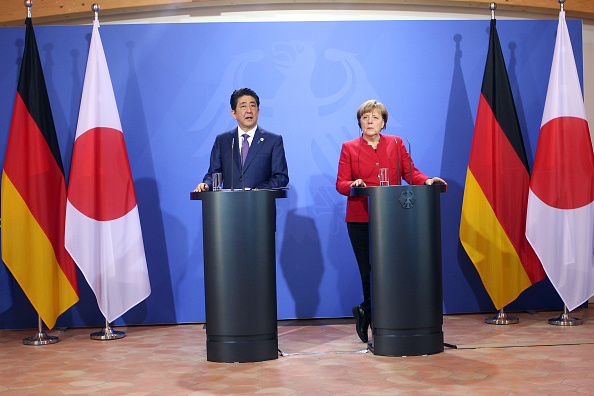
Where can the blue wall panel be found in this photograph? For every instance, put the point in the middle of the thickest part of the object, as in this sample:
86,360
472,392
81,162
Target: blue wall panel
172,84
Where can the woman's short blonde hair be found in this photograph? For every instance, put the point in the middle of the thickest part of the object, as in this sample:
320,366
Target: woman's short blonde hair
371,105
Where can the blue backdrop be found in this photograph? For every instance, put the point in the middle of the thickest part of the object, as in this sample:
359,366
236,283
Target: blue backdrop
172,83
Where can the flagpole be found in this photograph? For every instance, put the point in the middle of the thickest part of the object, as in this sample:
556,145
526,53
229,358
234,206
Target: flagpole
41,338
501,318
565,319
96,8
107,333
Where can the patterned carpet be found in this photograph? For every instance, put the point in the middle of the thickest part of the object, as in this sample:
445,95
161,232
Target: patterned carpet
318,357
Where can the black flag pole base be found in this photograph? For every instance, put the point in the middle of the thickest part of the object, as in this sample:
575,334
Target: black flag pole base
502,319
565,319
41,338
107,333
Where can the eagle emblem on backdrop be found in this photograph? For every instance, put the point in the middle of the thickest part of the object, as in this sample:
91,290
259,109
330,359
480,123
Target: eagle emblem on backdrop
313,121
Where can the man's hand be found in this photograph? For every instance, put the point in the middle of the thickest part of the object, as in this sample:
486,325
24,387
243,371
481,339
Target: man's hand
201,187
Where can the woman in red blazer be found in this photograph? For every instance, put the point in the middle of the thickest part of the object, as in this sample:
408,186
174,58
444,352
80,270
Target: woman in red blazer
360,162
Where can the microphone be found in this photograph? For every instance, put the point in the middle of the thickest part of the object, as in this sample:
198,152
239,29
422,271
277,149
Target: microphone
398,157
232,164
358,161
242,182
409,163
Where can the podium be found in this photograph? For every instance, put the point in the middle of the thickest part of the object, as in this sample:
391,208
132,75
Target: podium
240,274
406,288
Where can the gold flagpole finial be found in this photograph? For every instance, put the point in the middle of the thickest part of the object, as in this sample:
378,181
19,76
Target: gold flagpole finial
492,7
28,4
96,8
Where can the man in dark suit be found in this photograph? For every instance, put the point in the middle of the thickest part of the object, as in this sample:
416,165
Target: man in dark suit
248,156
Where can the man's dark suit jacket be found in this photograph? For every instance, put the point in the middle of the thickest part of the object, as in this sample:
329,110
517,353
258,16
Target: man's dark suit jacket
265,166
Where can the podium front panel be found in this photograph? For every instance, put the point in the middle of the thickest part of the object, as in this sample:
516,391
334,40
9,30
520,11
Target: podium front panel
240,274
406,287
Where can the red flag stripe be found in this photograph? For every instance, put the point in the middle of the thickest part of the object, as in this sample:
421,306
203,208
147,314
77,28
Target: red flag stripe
34,173
34,197
490,149
33,92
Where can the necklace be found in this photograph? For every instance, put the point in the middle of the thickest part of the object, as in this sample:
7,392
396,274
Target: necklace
373,144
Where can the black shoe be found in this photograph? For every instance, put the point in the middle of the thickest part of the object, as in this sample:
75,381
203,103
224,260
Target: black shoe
361,323
366,322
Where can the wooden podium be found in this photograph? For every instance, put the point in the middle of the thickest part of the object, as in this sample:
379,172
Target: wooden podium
405,249
240,274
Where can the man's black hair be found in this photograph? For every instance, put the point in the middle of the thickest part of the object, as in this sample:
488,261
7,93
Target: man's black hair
243,92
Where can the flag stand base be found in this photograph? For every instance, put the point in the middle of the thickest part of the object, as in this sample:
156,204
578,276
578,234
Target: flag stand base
107,333
502,319
41,338
565,319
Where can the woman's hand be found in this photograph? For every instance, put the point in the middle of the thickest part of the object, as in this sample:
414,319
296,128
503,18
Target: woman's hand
358,183
435,180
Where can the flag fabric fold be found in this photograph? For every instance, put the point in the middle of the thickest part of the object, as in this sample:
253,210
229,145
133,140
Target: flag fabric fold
492,225
34,196
103,232
560,220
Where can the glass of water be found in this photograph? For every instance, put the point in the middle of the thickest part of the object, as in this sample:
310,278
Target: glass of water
217,181
384,177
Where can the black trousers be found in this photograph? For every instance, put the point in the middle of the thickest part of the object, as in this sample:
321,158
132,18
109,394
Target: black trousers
359,235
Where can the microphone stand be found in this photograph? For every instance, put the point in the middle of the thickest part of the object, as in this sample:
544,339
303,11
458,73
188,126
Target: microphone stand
242,182
409,163
232,159
398,156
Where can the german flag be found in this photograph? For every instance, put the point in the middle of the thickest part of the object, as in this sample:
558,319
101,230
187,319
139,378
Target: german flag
34,197
493,223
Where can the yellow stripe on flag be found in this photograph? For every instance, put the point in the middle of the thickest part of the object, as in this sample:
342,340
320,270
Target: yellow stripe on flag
489,247
42,279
